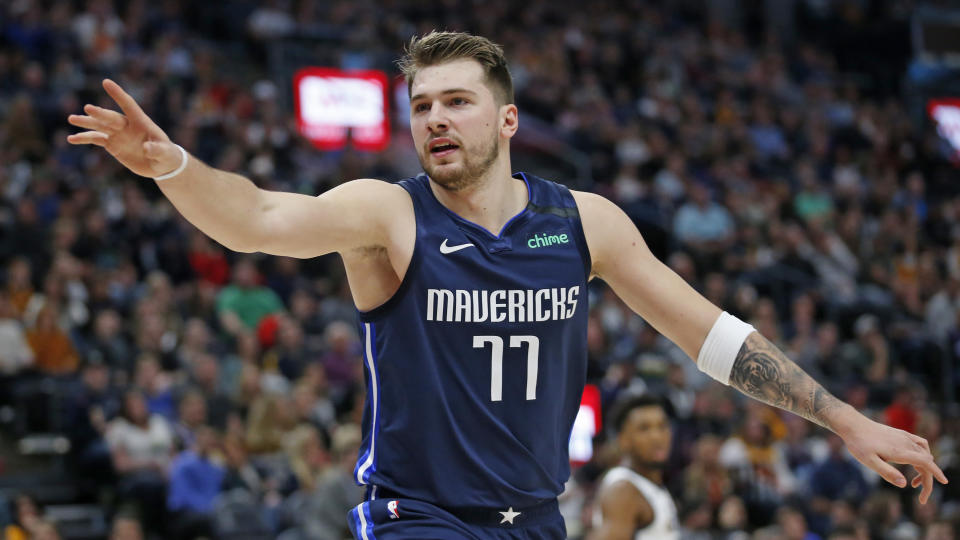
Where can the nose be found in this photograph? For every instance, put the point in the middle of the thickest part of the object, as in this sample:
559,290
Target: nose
437,119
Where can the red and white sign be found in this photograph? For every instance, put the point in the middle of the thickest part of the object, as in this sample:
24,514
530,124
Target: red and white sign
585,427
946,113
333,105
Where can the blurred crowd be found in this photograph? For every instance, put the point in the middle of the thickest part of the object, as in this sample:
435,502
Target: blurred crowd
761,147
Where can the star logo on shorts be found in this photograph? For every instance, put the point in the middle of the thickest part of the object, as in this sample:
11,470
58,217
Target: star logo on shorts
508,516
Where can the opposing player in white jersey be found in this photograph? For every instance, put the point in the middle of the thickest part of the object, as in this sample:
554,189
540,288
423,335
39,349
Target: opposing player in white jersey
632,502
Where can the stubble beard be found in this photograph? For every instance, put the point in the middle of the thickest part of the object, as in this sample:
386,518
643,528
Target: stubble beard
471,170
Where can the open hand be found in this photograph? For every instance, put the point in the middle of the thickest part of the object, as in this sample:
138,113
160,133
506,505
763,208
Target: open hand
131,137
876,446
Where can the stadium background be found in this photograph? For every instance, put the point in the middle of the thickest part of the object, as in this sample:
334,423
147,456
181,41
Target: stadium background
774,153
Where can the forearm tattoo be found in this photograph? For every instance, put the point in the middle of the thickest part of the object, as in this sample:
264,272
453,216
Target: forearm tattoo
763,372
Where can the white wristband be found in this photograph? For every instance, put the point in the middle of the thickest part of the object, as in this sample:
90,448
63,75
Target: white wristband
184,157
721,347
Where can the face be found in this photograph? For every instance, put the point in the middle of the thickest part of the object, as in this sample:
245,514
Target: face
136,407
126,529
457,125
193,410
245,274
646,436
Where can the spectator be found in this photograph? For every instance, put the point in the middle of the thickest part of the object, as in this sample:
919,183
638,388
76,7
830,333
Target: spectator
192,416
342,358
703,225
760,467
156,386
141,445
318,511
45,530
26,517
902,413
195,481
835,478
53,351
240,472
940,530
272,417
15,353
108,342
884,514
88,409
204,374
126,528
243,303
308,455
794,525
19,284
732,519
207,260
705,479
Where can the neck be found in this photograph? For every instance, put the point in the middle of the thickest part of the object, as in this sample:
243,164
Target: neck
649,471
490,201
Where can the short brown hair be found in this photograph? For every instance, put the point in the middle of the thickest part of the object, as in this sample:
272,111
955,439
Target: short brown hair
441,47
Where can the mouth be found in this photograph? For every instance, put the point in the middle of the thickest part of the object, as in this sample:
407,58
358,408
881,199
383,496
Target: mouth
442,147
661,454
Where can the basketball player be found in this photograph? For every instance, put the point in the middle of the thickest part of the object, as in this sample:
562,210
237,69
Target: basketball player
632,502
470,284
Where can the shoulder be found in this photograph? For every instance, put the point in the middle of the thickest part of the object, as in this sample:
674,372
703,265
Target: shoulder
622,499
591,202
159,424
371,190
600,217
597,211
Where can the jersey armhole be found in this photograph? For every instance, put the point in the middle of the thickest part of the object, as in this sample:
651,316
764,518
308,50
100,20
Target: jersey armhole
579,236
385,308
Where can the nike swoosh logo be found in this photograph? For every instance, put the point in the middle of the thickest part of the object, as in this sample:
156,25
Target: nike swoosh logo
445,249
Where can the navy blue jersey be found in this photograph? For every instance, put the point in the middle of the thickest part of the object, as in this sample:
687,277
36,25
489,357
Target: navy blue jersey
476,365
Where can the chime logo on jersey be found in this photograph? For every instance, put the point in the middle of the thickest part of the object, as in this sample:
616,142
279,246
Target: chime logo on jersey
540,240
392,507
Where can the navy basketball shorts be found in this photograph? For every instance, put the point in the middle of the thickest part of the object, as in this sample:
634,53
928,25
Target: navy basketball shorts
398,518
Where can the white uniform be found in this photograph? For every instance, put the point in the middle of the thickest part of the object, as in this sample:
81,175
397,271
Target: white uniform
665,525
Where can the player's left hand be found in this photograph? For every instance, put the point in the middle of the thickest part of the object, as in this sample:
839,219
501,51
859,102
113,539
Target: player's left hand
876,446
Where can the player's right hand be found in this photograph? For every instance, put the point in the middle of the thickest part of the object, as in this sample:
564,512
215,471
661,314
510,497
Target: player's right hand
132,137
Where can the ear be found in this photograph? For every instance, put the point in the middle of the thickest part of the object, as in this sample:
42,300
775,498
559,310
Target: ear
509,120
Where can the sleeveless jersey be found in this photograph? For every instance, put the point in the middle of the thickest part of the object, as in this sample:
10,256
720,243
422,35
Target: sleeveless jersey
475,366
665,525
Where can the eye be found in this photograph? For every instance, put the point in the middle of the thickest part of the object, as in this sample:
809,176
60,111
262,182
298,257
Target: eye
420,107
458,101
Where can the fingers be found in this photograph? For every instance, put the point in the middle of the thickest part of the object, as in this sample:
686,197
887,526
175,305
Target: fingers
887,471
927,487
99,119
111,119
921,441
86,122
89,137
123,99
921,458
938,474
934,469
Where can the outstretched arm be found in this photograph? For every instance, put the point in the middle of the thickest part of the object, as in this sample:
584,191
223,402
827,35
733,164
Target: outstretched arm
763,372
230,208
760,370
